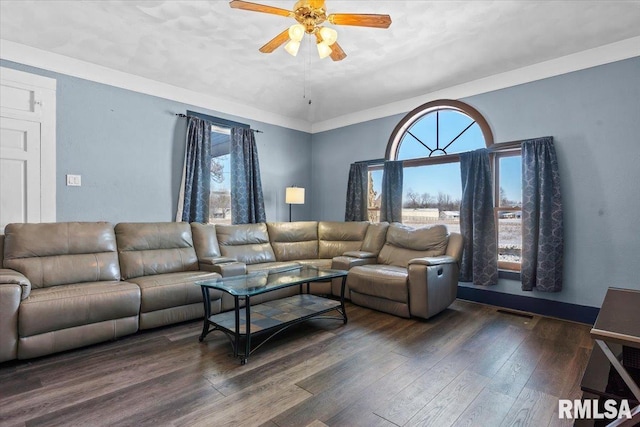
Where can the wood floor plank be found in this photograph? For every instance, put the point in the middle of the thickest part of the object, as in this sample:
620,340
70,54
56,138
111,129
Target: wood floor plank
511,378
488,409
329,402
250,407
447,406
531,408
159,394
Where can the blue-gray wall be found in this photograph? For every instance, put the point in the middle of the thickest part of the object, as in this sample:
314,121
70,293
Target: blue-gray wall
594,117
129,149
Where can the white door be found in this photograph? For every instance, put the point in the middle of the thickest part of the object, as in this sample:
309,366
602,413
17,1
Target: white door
19,171
27,148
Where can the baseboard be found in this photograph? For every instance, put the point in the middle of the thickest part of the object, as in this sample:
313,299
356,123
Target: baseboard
544,307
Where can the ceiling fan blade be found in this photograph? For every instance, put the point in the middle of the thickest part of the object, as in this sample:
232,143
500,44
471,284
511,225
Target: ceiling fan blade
337,54
275,42
360,20
255,7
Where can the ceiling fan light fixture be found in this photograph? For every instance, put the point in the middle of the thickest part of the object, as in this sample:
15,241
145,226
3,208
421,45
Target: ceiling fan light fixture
323,49
292,47
296,32
329,35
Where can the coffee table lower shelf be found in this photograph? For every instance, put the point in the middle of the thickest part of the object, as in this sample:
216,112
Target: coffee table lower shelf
271,316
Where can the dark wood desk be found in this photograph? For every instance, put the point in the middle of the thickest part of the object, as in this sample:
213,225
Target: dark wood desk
617,326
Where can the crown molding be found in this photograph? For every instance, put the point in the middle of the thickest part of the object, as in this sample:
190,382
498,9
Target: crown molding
28,55
50,61
605,54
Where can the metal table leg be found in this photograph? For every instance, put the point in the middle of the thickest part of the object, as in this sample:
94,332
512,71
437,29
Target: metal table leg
207,312
635,390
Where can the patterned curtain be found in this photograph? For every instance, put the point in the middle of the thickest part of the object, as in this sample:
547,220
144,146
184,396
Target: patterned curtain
477,222
391,198
196,176
247,203
357,191
542,224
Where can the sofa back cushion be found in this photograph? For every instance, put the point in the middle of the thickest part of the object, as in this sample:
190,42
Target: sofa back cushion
248,243
405,243
336,238
152,248
205,240
375,238
294,240
62,253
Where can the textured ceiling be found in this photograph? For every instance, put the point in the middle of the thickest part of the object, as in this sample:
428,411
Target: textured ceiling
209,48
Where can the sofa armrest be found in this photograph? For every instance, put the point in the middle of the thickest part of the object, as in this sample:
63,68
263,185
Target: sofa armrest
432,287
14,287
225,268
12,277
347,262
438,260
215,260
360,254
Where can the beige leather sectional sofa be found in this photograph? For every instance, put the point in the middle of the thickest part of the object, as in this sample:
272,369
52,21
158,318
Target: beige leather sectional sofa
67,285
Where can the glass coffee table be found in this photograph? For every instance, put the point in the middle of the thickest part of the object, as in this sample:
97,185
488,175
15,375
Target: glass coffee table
270,317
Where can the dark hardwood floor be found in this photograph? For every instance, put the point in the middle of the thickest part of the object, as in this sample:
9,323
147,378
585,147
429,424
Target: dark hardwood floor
472,365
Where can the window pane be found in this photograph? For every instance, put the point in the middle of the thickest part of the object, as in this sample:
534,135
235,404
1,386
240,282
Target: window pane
509,236
432,195
375,190
448,124
510,181
451,124
220,196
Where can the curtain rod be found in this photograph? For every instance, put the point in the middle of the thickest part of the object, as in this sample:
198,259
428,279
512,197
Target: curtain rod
221,124
512,144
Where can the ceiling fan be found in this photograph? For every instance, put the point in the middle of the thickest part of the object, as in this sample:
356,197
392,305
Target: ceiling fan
311,14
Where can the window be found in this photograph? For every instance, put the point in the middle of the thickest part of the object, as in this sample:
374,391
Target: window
428,140
375,190
220,199
508,207
220,167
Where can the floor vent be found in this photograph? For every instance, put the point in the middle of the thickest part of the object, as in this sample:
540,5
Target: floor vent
515,313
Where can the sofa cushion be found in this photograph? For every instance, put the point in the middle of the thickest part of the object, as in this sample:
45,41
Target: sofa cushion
336,238
162,291
375,237
68,306
405,243
384,281
294,240
155,248
248,243
62,253
205,240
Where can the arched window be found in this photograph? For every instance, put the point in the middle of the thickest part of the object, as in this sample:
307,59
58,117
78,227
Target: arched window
438,128
428,140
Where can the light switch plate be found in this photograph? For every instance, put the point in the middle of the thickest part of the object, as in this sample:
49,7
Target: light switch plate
74,180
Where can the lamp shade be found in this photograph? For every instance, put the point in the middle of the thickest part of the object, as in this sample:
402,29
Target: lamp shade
292,47
329,35
296,32
323,50
294,195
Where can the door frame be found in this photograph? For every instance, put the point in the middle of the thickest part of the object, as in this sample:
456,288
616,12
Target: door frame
44,112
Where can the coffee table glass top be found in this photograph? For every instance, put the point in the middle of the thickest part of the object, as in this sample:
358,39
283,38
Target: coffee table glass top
264,281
